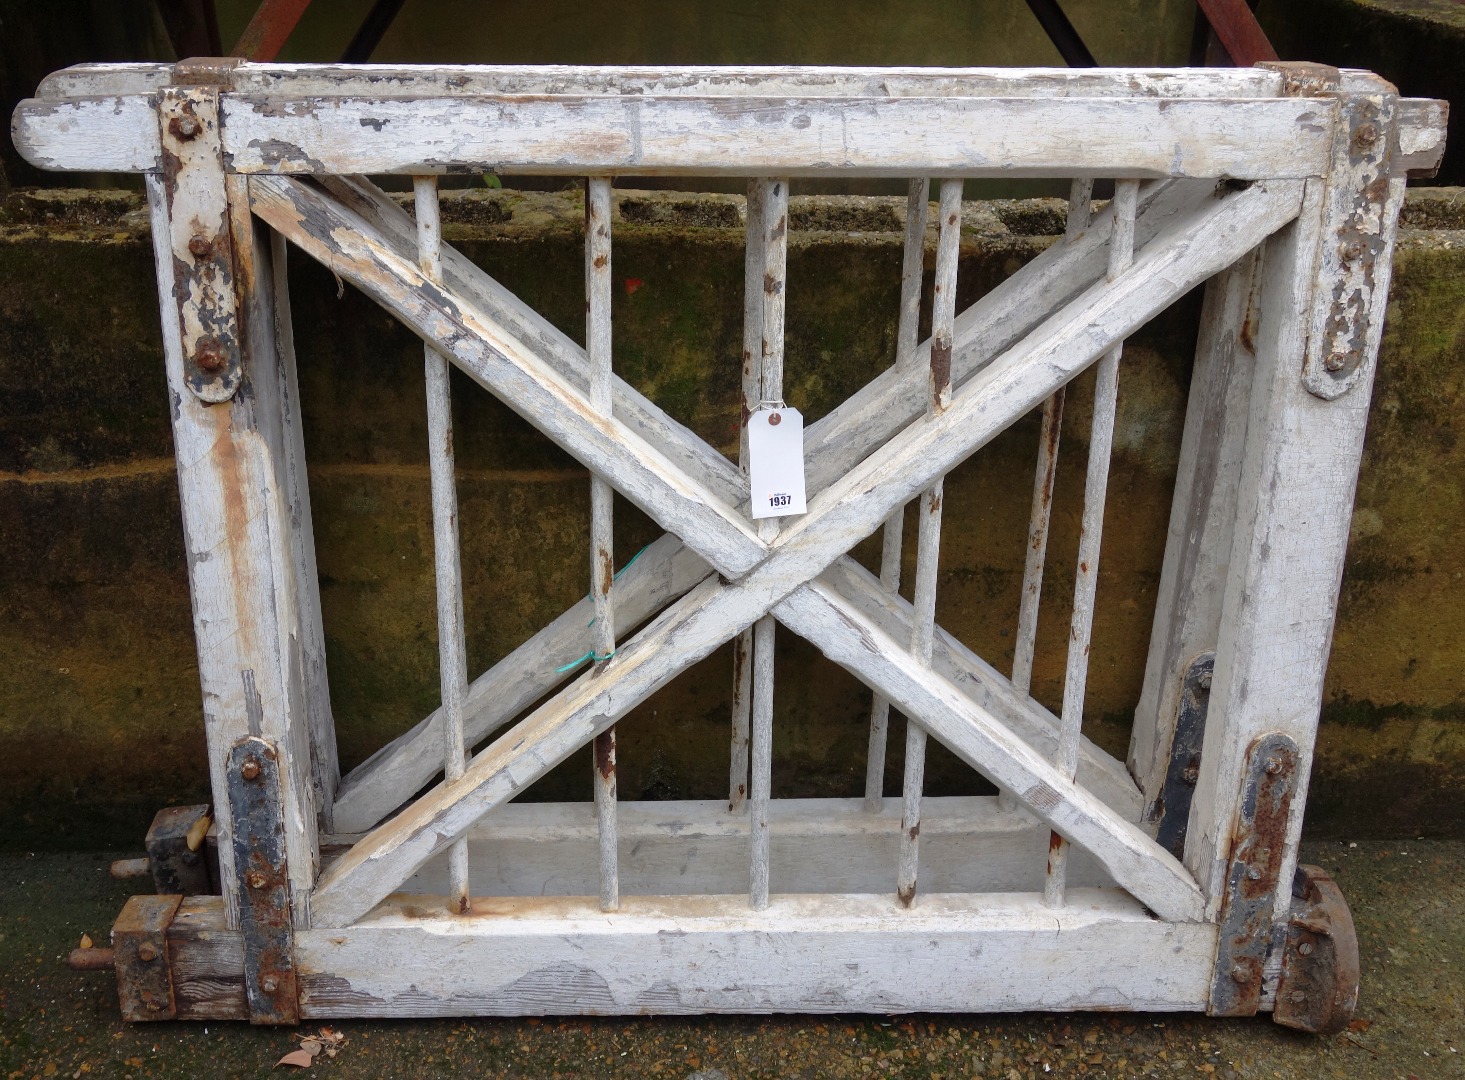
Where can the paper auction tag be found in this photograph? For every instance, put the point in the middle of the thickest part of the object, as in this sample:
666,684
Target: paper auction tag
776,462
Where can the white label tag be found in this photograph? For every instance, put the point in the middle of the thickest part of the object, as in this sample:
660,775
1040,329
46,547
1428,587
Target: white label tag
776,462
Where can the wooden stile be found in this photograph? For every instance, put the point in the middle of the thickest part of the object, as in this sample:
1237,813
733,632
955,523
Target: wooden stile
359,900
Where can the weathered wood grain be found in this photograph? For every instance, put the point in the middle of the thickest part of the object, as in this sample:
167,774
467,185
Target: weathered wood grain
839,953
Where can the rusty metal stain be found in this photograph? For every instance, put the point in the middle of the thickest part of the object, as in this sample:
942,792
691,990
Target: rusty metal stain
1257,848
1318,987
253,780
605,754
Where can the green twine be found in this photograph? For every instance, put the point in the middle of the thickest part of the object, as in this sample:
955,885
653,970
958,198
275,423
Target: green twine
591,655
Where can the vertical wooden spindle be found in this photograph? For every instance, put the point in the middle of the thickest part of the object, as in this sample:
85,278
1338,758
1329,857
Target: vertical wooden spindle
452,650
1080,211
771,282
928,540
602,549
1096,483
907,329
752,363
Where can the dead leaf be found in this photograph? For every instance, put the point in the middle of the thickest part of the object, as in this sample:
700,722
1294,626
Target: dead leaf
298,1058
1360,1024
86,941
312,1046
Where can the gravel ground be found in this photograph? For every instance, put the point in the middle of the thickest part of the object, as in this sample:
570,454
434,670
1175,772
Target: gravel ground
1408,900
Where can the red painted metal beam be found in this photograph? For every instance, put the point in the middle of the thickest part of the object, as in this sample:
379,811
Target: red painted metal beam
1240,34
267,32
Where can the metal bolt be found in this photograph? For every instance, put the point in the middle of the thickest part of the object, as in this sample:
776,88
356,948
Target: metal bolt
185,127
269,984
1305,948
250,769
1253,873
256,879
147,952
1240,973
1365,135
1205,681
210,358
1274,766
1190,775
1336,361
1352,250
1297,997
200,246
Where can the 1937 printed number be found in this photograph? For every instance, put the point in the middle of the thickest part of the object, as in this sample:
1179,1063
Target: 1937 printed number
780,500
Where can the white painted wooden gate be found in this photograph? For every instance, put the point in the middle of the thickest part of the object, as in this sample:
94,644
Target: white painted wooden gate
1276,187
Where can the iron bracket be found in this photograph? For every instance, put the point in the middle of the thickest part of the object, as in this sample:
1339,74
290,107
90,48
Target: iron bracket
1172,810
202,247
140,955
1318,988
253,781
176,854
1258,845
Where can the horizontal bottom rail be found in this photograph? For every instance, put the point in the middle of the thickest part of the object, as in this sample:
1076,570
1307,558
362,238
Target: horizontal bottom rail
667,955
969,844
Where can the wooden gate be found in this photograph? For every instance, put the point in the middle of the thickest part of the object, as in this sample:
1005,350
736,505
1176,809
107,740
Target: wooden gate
1277,188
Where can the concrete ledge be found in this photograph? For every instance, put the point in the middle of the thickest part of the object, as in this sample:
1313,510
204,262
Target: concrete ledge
99,712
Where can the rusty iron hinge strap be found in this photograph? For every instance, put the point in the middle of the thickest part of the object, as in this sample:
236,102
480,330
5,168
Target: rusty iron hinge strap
1172,811
1257,848
253,781
202,248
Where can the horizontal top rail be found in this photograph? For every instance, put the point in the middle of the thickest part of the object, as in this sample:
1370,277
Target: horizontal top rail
300,119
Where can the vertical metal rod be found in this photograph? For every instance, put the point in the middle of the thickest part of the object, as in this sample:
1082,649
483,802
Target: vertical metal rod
912,271
1096,484
602,549
928,540
1080,199
452,650
752,362
770,382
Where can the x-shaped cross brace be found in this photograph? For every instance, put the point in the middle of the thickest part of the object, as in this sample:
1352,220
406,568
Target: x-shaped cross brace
790,577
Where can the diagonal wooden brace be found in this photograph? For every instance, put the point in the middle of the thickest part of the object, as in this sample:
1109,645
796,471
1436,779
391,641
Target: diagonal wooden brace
987,325
849,510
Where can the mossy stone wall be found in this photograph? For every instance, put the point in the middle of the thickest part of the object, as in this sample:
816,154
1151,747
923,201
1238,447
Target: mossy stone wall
99,711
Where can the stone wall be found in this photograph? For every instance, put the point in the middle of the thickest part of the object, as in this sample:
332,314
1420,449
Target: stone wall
99,712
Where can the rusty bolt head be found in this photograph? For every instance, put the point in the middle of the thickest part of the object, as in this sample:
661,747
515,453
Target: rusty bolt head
1297,997
147,952
1274,766
269,984
1205,681
185,127
210,358
250,769
256,879
1240,973
1336,361
1305,948
1190,775
1352,250
200,246
1253,873
1365,135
